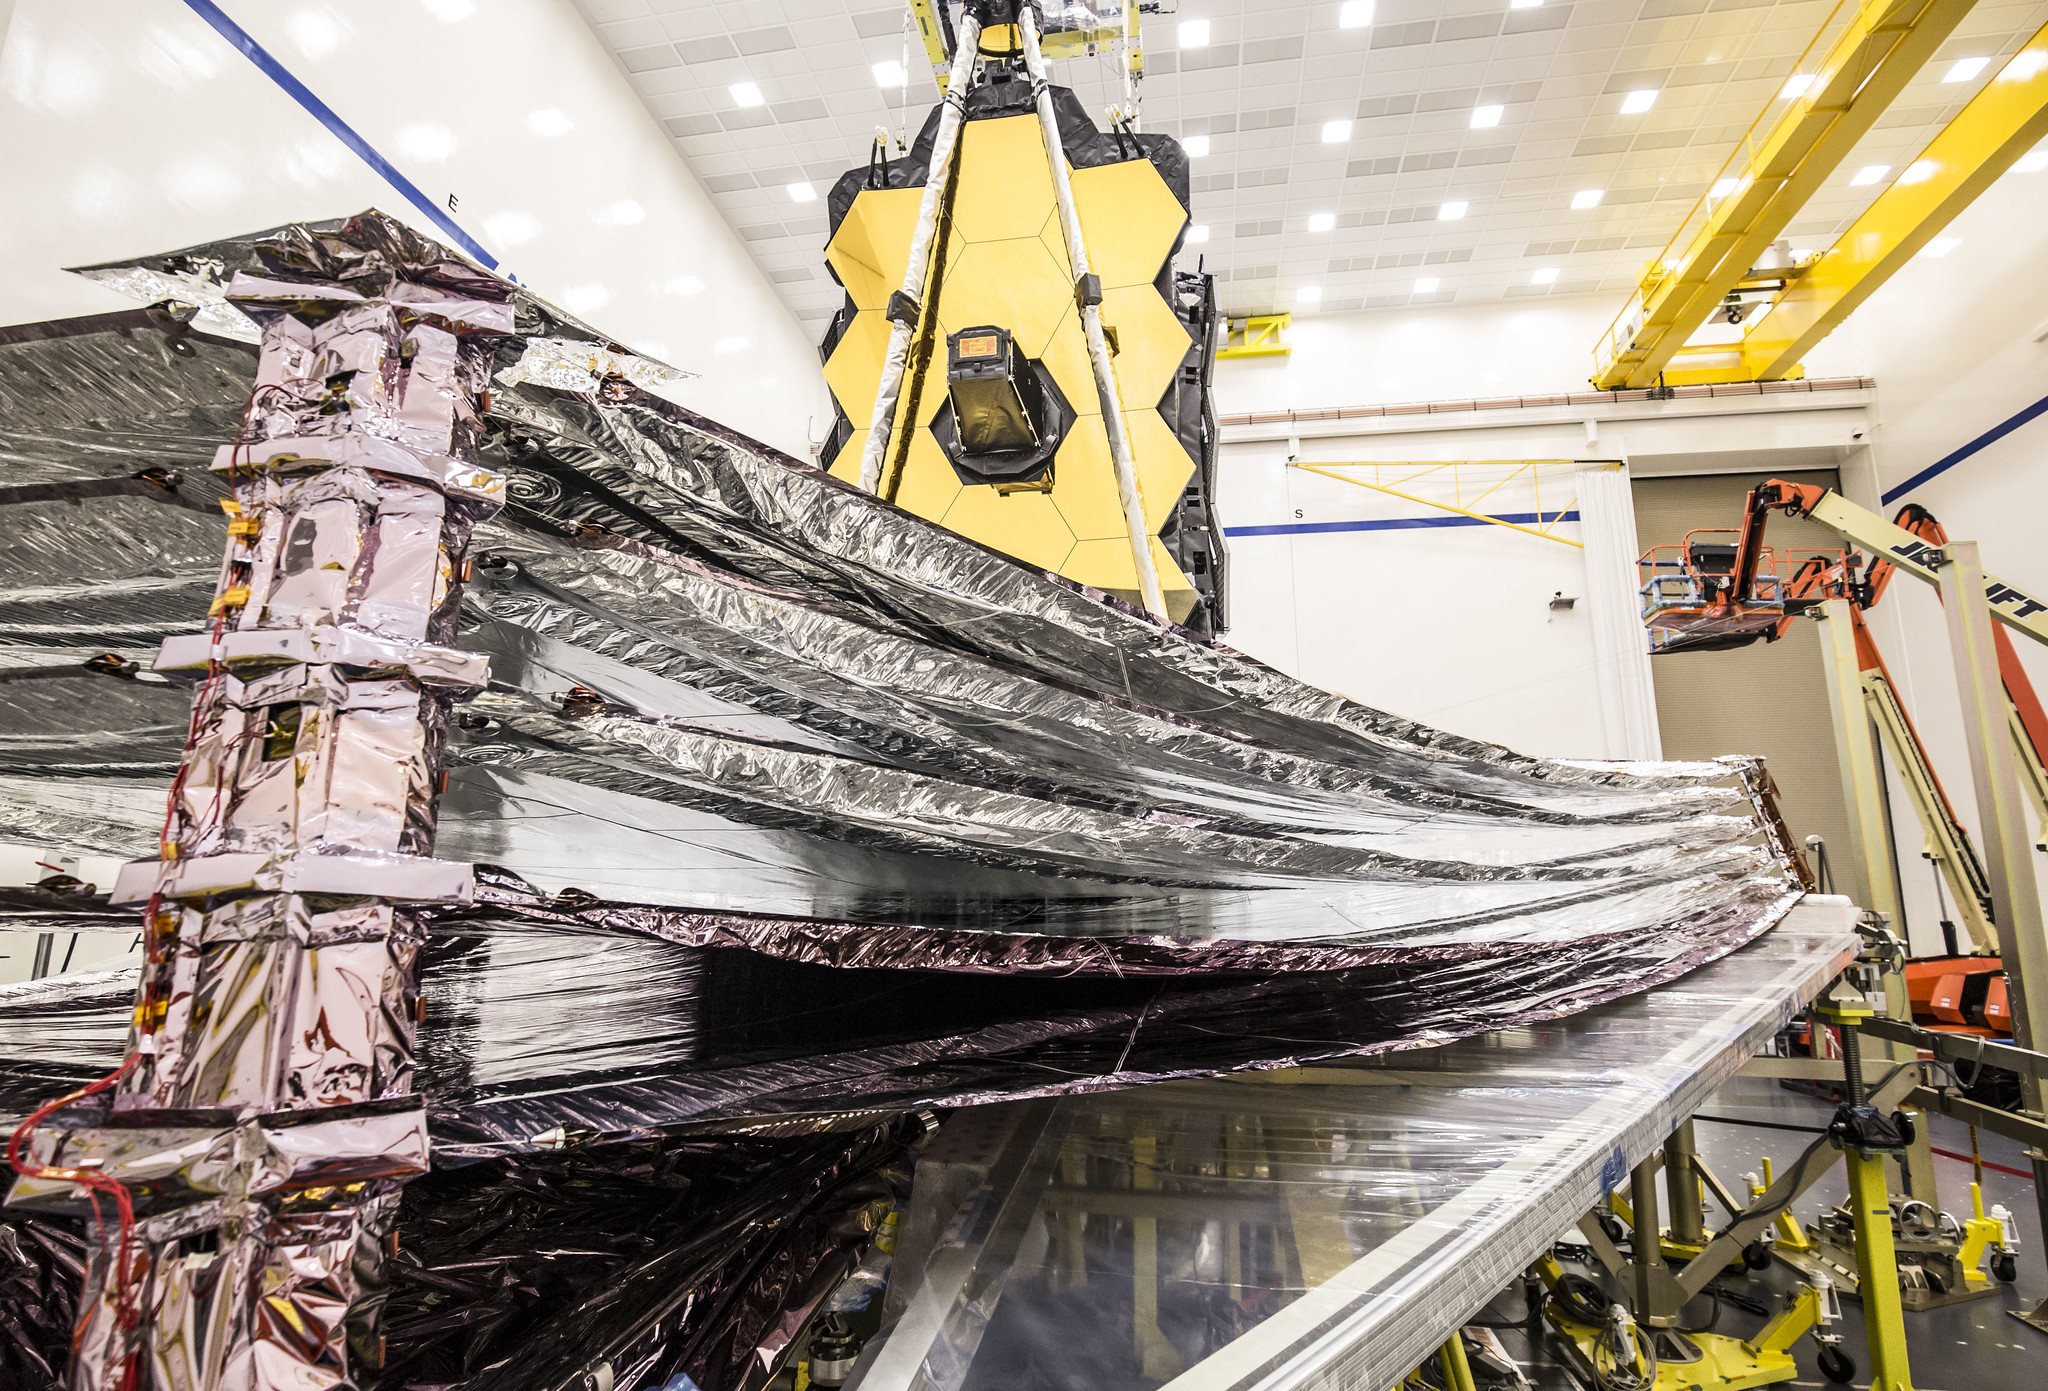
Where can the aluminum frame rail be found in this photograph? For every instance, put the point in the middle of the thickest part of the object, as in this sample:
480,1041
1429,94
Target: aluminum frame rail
1088,297
1410,1192
265,1115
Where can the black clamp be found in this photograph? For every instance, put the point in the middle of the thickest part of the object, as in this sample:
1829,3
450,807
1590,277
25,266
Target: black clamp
1869,1130
903,309
1088,290
112,664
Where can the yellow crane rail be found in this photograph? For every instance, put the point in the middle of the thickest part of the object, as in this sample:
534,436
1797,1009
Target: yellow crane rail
2000,124
1775,171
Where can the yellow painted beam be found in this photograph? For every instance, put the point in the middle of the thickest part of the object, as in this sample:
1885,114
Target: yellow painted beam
2004,121
1711,365
1777,170
933,34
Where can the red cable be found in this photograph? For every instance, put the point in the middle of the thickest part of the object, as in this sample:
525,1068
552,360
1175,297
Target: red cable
96,1182
2001,1168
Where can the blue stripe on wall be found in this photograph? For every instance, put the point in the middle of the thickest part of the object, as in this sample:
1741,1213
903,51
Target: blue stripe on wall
1989,437
324,114
1400,524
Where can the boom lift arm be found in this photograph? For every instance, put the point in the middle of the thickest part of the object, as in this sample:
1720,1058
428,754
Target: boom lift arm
1915,547
1735,590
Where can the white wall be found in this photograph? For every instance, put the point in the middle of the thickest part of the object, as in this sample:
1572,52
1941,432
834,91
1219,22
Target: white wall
131,126
1452,625
1447,625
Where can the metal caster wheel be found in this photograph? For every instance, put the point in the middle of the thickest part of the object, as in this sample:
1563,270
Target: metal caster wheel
1837,1366
2006,1266
1757,1256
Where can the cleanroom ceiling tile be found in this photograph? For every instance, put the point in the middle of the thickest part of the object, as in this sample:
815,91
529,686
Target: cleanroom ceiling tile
1270,78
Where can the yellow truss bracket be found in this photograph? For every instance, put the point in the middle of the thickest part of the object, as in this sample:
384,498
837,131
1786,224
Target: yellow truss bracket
1258,336
2000,124
1775,170
1424,468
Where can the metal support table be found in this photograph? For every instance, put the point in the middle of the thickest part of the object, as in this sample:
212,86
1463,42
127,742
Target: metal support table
1318,1226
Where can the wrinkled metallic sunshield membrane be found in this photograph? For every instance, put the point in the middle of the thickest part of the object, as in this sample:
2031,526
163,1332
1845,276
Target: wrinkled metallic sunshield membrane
705,1256
767,725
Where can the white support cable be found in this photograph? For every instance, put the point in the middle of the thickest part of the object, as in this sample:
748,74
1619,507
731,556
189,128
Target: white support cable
903,94
1091,324
891,385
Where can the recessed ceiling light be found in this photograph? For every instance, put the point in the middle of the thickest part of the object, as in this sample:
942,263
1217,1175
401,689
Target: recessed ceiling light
746,94
1870,174
551,122
1963,69
1336,132
1308,294
1546,276
1452,211
1194,33
1524,4
2032,162
1796,85
802,193
624,213
1919,171
1586,198
1484,116
1637,102
889,73
1321,222
1198,231
683,286
1195,146
1723,187
731,345
1354,14
1427,285
2025,66
1941,246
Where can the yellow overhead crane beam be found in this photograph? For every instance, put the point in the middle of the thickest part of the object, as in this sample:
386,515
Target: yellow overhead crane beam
2000,124
1776,172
